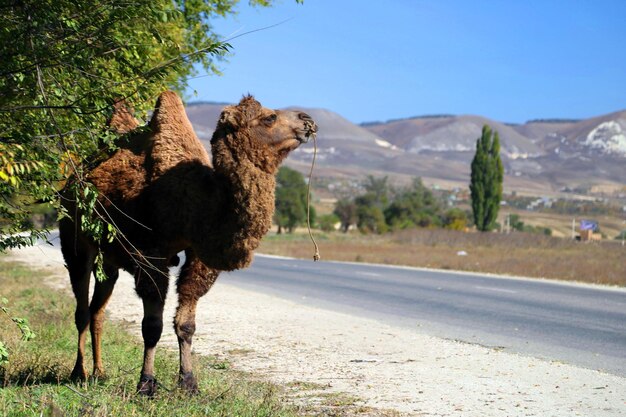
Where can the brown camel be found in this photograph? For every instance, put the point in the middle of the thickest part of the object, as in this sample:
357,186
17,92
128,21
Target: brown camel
164,195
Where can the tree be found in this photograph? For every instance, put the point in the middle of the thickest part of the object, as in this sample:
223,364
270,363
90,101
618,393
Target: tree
291,201
379,189
414,206
346,211
486,180
516,222
63,63
327,222
370,206
370,217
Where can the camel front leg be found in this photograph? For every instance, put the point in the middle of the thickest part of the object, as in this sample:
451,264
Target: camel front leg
152,288
79,265
194,281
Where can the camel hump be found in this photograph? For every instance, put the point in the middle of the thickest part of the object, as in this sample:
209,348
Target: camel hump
169,110
122,120
174,140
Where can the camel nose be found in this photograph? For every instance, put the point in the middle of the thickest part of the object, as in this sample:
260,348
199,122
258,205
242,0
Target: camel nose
309,123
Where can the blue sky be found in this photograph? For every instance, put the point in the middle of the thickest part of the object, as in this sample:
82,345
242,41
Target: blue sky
507,60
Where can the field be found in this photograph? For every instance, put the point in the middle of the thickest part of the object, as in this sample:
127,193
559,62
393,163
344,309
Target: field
520,254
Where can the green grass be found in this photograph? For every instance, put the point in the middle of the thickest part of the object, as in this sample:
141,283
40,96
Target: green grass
35,381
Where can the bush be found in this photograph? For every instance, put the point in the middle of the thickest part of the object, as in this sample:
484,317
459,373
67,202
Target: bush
455,219
371,219
327,222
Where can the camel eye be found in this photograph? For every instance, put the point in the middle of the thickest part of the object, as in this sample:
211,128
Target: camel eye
269,120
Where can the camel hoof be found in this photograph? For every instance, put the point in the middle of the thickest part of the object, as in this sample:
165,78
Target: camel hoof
147,385
189,383
78,375
99,374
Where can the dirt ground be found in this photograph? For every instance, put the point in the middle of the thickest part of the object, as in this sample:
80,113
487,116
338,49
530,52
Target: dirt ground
328,358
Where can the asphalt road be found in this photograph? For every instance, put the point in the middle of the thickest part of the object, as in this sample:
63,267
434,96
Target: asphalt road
578,324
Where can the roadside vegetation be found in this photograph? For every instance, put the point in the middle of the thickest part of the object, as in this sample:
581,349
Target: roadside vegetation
35,382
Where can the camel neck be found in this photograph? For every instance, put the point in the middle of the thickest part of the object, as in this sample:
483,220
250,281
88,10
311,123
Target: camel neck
247,195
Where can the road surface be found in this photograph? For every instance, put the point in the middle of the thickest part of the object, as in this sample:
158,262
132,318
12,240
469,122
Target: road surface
579,324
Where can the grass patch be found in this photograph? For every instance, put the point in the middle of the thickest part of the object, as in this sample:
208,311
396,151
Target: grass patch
307,386
339,399
35,381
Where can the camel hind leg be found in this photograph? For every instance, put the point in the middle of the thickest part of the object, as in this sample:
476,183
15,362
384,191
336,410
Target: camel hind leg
194,281
101,295
151,285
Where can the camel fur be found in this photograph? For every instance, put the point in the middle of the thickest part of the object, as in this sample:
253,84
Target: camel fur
165,195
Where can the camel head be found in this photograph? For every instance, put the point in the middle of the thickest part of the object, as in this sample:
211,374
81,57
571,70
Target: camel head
269,132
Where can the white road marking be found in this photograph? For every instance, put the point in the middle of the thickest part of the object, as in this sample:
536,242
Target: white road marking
367,274
496,289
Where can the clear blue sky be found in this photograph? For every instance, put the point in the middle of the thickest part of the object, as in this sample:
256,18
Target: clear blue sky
507,60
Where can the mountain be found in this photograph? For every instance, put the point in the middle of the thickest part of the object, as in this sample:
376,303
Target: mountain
545,154
539,156
451,134
600,136
203,116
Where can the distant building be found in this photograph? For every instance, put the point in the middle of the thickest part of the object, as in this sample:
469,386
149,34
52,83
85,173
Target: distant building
588,229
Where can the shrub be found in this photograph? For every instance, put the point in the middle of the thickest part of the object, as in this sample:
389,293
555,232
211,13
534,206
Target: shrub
327,222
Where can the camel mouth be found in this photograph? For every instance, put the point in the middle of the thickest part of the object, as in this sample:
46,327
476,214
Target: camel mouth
290,145
303,137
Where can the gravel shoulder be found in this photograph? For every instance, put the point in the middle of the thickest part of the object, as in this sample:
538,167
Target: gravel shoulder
367,363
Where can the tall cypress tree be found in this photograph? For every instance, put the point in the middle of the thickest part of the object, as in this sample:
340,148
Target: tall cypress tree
486,180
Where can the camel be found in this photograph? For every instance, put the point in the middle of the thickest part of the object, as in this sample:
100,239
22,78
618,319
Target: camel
165,195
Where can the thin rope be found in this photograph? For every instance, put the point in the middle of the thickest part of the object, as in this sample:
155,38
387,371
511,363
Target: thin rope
316,255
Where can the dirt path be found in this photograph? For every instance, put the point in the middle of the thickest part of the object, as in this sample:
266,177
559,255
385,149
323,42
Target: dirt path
353,360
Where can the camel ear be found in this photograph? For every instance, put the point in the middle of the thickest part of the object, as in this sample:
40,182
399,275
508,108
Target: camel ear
230,116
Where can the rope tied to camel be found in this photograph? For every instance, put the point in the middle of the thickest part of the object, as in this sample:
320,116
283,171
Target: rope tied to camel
316,255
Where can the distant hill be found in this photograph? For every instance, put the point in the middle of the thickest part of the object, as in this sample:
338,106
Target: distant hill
540,156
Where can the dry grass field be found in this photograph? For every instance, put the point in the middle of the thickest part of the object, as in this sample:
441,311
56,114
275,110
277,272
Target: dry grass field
520,254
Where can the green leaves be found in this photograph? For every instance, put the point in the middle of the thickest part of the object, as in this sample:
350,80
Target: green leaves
12,168
20,323
4,353
414,206
486,180
291,191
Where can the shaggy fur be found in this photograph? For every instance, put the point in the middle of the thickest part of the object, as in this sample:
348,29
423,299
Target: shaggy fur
162,192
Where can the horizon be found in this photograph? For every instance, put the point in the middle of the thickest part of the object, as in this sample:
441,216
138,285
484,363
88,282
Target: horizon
423,116
508,62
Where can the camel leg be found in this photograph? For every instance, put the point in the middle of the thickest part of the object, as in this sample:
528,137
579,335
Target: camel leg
102,293
194,281
80,264
152,288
